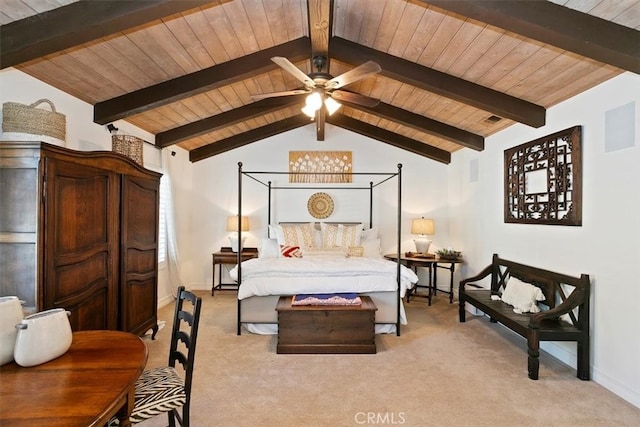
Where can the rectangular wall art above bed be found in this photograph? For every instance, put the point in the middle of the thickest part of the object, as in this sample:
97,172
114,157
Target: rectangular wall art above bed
320,167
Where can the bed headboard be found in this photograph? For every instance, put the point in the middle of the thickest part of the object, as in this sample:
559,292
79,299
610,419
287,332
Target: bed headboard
316,224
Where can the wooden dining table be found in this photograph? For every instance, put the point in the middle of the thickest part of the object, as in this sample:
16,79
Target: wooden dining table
87,386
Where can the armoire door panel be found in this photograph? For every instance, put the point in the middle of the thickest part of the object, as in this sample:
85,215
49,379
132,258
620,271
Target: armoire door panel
141,261
91,313
141,316
81,240
142,195
138,247
80,219
75,278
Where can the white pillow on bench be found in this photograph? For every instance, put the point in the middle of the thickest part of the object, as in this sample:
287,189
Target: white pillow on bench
522,296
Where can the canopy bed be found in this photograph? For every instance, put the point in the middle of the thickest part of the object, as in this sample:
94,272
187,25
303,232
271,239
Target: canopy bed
320,257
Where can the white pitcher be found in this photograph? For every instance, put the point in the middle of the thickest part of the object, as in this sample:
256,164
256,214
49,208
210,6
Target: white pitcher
10,314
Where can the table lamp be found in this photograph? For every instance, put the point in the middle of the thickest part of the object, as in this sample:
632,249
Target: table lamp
232,225
423,227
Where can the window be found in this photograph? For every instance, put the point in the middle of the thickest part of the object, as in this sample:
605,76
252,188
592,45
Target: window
162,219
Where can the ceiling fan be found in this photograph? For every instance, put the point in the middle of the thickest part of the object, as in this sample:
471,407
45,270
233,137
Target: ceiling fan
323,88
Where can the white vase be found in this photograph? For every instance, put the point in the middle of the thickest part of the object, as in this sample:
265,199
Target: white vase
42,337
10,314
236,244
422,245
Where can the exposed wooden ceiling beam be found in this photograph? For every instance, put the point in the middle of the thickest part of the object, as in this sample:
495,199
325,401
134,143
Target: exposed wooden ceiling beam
320,14
391,138
440,83
560,26
228,118
424,124
80,22
248,137
198,82
320,23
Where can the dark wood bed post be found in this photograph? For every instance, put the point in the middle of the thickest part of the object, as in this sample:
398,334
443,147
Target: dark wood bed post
399,226
239,262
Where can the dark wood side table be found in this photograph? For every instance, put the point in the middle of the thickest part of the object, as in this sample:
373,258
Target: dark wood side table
440,263
226,256
414,263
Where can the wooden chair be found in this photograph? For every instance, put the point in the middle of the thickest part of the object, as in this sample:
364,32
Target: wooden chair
163,389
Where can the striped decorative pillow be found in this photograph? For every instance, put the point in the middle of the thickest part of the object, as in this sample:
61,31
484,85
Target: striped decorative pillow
288,251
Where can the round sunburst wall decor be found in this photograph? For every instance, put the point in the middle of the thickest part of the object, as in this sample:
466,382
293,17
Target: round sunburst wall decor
320,205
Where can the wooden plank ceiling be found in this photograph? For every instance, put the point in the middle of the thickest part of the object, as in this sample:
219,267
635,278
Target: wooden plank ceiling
453,72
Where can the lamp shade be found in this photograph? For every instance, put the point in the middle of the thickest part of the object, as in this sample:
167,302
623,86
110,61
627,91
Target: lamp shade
232,223
422,226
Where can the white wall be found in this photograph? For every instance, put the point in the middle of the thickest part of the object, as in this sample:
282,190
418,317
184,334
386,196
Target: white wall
606,246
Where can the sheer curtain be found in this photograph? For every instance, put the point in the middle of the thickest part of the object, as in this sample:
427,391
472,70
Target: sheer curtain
172,258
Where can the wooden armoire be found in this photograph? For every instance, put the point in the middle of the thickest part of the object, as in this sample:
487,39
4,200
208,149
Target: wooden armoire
79,230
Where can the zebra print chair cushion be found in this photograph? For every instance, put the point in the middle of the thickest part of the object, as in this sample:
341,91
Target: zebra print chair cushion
158,390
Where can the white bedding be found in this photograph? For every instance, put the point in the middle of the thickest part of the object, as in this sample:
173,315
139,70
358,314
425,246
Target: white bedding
322,274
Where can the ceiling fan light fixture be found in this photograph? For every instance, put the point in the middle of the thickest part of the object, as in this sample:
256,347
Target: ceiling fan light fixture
332,105
309,111
314,101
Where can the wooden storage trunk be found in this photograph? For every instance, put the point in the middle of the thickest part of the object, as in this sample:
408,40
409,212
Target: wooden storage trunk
326,329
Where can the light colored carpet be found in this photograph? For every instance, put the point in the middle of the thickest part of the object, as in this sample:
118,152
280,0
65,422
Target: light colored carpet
437,373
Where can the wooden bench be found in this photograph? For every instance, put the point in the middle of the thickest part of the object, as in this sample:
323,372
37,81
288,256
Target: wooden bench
564,295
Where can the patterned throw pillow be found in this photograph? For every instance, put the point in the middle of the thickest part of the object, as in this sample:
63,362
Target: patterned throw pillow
290,251
298,235
355,251
340,235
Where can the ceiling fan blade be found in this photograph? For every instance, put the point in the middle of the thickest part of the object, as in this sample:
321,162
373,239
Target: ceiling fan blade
360,72
275,94
354,98
288,66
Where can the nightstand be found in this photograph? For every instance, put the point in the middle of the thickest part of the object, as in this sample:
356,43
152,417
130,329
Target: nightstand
226,256
433,264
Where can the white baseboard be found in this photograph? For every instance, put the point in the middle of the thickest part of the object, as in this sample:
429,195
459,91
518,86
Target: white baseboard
164,301
199,287
616,387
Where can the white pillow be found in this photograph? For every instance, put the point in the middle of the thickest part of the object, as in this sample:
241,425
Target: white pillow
522,296
269,248
370,234
340,235
371,248
275,232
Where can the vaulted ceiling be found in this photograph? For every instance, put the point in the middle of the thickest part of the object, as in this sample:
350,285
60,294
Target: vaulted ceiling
453,71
